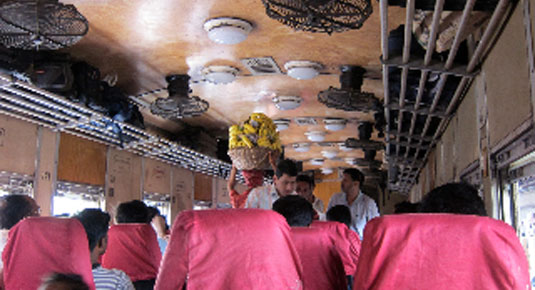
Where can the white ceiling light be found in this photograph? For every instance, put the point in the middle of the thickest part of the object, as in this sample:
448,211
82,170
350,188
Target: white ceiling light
315,136
334,124
326,171
282,124
329,154
301,147
287,102
350,161
227,30
302,69
219,74
343,147
316,161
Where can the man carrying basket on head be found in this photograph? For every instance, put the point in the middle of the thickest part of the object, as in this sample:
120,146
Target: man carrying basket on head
253,145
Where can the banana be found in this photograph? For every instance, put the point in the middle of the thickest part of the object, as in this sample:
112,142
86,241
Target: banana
248,129
246,140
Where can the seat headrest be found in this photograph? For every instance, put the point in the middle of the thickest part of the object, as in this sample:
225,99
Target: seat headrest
230,249
38,246
441,251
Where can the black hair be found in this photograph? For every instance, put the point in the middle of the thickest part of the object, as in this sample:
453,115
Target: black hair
287,167
307,179
340,213
460,198
406,207
355,175
153,211
14,208
68,281
134,211
95,223
297,210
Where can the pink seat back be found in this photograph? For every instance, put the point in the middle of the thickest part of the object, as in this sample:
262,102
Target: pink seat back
440,251
133,248
347,243
322,265
230,249
38,246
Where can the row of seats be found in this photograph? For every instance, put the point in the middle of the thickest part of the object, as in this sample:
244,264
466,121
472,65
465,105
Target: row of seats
256,249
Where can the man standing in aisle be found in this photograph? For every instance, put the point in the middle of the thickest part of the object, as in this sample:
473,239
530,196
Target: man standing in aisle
283,184
363,208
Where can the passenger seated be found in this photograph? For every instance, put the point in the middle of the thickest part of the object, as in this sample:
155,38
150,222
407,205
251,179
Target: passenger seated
133,245
230,249
58,281
96,224
340,213
460,198
320,259
39,246
440,251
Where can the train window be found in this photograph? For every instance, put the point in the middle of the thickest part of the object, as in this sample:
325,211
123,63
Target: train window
71,198
15,183
160,201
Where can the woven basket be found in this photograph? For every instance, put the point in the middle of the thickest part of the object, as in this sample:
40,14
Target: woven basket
250,158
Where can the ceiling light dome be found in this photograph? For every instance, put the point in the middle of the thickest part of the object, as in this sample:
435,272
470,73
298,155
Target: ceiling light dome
287,102
343,147
350,160
220,74
316,136
316,161
302,69
301,147
335,124
227,30
326,171
282,124
329,154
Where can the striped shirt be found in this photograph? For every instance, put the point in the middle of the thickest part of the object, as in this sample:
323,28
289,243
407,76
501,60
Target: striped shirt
108,279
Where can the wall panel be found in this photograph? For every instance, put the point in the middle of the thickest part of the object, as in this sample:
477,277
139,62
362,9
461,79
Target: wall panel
507,82
157,176
222,195
81,160
465,122
18,145
182,196
203,187
124,178
46,170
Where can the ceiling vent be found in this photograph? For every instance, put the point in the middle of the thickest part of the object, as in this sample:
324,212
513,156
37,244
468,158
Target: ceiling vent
305,121
259,66
349,97
179,104
40,24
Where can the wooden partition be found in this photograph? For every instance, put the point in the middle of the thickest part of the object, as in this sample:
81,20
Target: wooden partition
18,145
182,196
157,176
221,192
203,187
326,186
81,161
124,178
45,174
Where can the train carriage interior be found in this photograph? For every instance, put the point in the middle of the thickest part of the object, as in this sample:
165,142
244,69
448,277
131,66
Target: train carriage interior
103,102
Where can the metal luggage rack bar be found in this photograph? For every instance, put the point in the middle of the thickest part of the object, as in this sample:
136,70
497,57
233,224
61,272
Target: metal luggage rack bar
26,102
407,148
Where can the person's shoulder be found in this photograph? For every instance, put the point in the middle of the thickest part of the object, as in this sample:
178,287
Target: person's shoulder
116,276
337,196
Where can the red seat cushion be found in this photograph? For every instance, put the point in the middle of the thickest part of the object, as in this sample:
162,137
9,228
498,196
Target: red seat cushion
230,249
322,265
440,251
38,246
133,248
347,242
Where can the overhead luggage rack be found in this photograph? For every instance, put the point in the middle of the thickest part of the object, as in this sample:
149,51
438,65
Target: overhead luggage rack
416,121
26,102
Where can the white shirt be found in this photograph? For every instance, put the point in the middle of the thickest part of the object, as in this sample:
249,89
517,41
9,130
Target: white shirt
362,210
319,208
111,279
262,197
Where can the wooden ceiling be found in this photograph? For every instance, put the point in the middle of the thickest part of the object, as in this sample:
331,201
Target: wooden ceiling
143,41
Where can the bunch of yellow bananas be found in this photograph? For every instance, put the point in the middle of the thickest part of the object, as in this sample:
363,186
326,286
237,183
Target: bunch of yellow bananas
258,130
